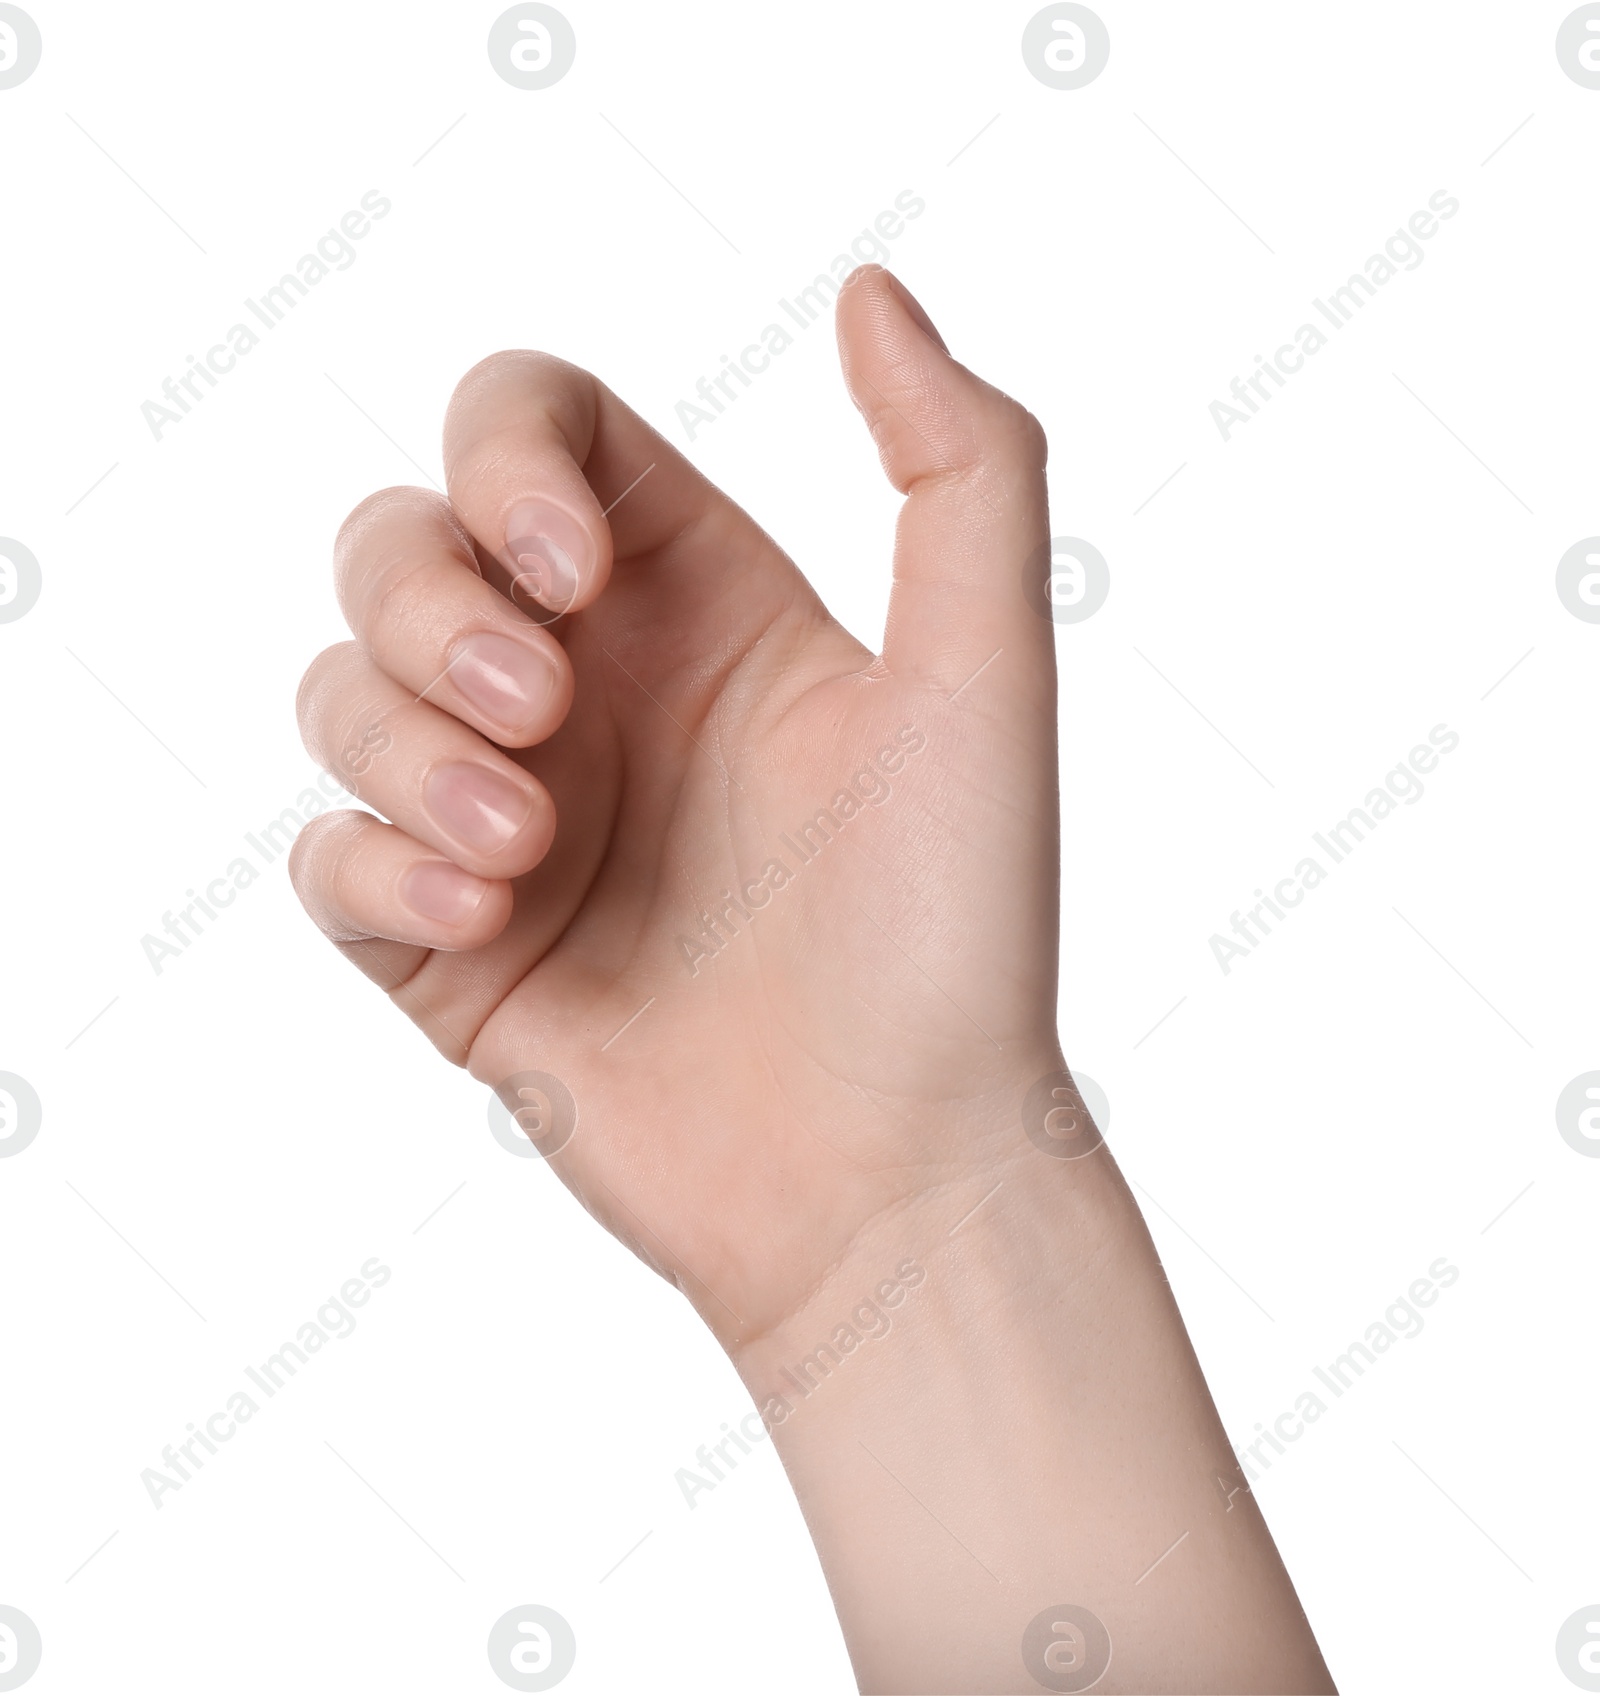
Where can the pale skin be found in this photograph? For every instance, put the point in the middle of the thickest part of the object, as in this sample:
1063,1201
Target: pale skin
832,1084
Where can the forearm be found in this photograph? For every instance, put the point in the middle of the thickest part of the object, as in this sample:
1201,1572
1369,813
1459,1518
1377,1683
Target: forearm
1032,1430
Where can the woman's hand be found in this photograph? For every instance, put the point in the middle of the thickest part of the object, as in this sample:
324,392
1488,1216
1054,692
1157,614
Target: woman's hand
755,931
779,913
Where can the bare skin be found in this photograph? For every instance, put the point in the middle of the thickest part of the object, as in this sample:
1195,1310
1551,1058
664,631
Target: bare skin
792,1085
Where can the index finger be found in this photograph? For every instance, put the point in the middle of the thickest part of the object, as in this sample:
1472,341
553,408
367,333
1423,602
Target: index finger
557,479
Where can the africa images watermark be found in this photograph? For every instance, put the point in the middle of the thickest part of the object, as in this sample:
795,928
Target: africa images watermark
869,787
1403,250
1404,783
333,251
267,844
809,305
334,1322
867,1322
1400,1322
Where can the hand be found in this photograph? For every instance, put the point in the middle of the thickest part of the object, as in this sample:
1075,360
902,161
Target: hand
780,915
873,838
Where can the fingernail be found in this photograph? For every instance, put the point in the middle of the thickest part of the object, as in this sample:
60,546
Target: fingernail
504,679
435,889
914,311
478,807
547,545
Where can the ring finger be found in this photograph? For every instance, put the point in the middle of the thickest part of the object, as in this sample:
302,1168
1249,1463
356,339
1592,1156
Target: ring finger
430,774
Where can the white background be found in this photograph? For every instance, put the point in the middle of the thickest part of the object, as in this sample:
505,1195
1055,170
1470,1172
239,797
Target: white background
1367,559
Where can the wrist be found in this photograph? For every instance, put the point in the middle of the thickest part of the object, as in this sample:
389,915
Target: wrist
989,1409
1016,1195
970,1268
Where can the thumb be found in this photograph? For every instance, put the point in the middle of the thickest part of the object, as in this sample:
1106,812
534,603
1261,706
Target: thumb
970,461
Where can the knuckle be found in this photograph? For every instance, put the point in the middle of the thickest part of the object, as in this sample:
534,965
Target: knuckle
322,698
1006,440
401,586
401,500
1013,429
320,850
1034,441
487,420
326,672
519,367
364,737
487,377
384,528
